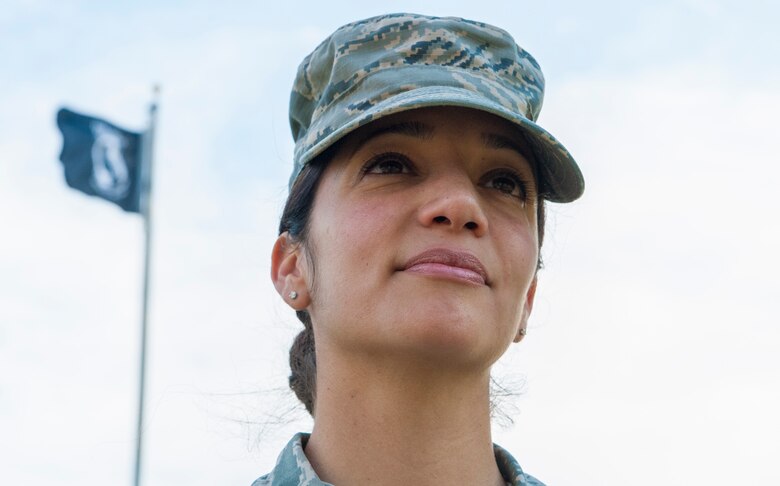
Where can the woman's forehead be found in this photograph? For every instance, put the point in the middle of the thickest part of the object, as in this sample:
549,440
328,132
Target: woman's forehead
491,131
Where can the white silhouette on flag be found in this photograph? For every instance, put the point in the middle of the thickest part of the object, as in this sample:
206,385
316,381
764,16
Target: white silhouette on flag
110,174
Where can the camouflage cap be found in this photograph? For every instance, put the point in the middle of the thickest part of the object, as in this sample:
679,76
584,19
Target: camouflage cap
391,63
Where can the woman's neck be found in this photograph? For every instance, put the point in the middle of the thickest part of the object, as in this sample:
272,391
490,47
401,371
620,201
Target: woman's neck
401,423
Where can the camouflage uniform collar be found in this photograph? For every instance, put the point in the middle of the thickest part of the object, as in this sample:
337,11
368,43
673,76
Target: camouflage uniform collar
293,468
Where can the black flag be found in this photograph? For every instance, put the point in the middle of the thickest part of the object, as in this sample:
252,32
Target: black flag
101,159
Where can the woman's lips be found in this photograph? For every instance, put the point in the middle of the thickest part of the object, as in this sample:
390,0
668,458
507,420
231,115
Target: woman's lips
446,263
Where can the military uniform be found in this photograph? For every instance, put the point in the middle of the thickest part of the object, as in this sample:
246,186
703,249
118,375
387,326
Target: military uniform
293,468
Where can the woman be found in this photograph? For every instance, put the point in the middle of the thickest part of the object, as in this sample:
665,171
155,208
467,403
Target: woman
409,247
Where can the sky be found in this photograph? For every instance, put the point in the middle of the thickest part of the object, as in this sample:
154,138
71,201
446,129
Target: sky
651,354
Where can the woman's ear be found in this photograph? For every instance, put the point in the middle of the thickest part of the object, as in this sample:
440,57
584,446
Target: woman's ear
528,306
288,272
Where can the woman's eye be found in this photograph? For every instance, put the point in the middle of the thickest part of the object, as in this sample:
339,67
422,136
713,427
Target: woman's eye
508,183
387,164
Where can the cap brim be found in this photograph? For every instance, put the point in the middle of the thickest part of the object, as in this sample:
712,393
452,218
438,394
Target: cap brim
563,180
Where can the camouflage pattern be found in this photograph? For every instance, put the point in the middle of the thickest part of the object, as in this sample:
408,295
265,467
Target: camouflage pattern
292,468
392,63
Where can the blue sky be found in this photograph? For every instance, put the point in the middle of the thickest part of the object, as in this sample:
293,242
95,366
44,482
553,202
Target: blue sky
652,349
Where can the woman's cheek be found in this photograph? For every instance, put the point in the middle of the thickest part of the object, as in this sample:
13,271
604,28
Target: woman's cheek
368,218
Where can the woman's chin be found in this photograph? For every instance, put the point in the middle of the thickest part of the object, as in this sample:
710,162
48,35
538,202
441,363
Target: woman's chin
453,344
454,340
455,328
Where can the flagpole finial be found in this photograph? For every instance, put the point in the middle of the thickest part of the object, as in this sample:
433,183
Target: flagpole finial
155,97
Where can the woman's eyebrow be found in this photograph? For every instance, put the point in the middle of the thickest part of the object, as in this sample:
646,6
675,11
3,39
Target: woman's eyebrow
409,128
496,141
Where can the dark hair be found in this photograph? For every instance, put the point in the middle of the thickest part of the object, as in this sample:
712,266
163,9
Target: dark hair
295,221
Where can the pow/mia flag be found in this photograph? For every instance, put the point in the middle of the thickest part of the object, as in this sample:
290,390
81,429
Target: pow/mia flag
101,159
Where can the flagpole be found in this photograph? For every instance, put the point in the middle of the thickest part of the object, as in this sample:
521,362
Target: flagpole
146,212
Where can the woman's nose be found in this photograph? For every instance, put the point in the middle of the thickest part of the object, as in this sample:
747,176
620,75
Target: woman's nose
454,204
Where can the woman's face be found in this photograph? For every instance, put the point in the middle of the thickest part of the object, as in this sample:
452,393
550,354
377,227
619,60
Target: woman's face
423,239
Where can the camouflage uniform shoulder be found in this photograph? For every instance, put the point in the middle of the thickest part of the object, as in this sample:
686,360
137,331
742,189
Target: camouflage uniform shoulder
511,471
292,467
